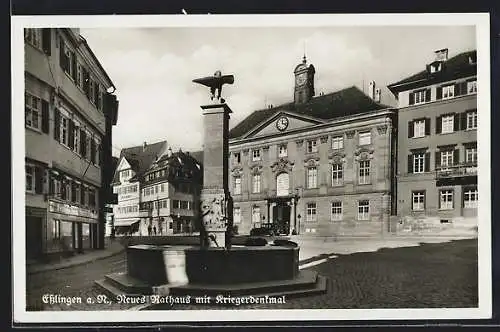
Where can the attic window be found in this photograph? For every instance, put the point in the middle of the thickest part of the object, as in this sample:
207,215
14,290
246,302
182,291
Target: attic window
436,67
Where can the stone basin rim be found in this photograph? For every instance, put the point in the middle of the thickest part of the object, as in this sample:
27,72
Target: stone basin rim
197,248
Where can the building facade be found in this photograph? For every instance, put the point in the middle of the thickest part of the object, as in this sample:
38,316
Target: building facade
170,195
68,116
132,164
437,144
319,165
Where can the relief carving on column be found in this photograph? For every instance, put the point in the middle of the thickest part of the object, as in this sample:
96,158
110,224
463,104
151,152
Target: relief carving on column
245,152
299,142
323,139
350,134
213,210
381,129
282,165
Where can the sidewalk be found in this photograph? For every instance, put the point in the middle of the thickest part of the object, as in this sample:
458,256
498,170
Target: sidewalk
112,248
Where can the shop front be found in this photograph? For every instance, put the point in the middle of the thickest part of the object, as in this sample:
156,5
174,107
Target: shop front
70,228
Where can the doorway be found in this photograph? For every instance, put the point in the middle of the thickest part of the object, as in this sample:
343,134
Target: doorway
33,237
281,216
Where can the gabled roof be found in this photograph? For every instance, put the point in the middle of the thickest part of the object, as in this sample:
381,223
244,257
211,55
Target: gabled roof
455,67
180,166
140,158
348,101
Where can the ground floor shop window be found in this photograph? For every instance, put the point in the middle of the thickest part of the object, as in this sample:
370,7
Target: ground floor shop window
86,236
60,237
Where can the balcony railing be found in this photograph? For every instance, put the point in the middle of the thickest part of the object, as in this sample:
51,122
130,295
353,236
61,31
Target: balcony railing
461,170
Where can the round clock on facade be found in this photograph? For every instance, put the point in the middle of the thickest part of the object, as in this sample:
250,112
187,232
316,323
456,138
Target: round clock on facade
282,123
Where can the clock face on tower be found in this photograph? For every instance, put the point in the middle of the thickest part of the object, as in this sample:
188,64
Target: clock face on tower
301,79
282,123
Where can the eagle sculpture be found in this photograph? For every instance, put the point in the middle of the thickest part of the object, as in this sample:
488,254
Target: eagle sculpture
215,83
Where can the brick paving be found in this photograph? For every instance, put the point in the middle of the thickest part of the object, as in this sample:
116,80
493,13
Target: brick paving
434,275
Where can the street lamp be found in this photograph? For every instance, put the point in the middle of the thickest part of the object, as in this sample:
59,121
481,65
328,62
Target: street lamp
298,223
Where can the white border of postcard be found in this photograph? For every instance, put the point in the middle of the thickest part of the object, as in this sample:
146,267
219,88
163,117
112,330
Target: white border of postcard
480,20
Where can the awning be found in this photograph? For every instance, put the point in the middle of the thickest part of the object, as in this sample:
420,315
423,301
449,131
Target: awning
125,222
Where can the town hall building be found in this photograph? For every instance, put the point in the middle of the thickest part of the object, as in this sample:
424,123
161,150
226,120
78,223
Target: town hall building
320,165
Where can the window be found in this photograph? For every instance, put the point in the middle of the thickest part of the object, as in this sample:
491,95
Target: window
256,155
419,162
364,210
446,158
76,137
282,184
64,131
337,143
472,120
419,96
470,198
30,178
471,155
92,91
364,172
419,128
447,124
337,174
237,157
124,175
184,205
282,151
336,210
56,229
256,215
312,146
236,215
68,61
312,177
176,204
33,109
256,183
446,199
472,86
237,185
311,212
448,91
79,75
33,37
365,138
92,197
418,200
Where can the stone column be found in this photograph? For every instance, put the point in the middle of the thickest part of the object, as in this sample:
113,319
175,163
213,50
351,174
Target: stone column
292,216
215,192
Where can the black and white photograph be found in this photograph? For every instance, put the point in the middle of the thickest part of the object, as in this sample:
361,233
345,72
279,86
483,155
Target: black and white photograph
197,168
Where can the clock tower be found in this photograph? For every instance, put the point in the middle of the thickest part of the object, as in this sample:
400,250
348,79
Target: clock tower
304,82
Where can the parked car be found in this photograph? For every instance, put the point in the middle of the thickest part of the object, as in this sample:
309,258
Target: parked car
267,229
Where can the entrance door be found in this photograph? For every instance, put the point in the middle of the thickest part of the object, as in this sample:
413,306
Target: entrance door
33,237
281,216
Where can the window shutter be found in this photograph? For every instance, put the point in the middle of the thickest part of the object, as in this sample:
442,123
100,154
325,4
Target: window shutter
456,122
96,94
57,125
456,157
83,143
463,88
45,116
73,65
458,92
46,41
410,129
62,57
82,195
439,93
427,126
427,162
438,125
437,159
86,82
38,180
52,188
92,151
463,121
71,134
410,164
412,98
428,95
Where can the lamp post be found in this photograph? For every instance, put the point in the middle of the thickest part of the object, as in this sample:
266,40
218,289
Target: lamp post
298,224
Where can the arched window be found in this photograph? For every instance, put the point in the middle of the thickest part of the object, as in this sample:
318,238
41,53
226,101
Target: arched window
282,184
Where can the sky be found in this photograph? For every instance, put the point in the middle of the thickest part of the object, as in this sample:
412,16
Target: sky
153,69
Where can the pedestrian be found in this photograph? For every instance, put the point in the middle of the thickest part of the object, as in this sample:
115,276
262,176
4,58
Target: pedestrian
154,230
149,230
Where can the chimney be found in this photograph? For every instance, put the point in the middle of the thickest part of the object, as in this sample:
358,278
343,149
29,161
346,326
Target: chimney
371,89
441,55
378,93
144,145
169,152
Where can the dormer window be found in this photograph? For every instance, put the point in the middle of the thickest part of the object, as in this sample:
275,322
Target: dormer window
436,67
